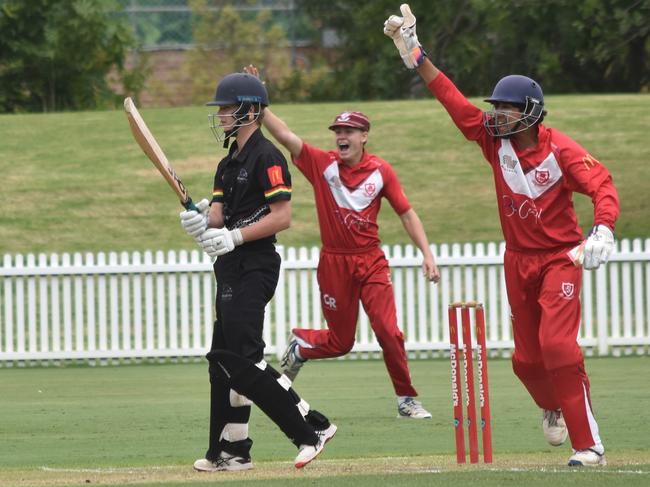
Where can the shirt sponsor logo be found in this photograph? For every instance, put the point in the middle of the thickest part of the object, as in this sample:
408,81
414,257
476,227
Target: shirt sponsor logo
226,293
508,163
275,175
335,181
329,302
356,220
523,210
567,290
589,162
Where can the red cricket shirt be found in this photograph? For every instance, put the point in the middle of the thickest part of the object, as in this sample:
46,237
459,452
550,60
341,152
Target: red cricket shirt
534,186
348,198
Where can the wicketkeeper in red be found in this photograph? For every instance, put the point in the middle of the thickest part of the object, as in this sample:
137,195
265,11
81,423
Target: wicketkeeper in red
536,171
348,184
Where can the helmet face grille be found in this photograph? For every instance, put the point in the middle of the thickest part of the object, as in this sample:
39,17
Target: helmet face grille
240,118
504,123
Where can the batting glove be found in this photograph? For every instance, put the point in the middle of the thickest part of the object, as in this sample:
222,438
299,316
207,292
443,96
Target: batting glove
402,31
598,247
219,241
196,222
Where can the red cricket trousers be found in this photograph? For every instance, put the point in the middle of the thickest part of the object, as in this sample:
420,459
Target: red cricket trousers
544,294
344,279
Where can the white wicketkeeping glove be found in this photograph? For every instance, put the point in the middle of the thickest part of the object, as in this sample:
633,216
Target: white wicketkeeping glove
598,247
220,241
402,31
196,222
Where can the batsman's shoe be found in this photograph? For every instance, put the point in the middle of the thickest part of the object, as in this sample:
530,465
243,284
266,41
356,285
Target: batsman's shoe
290,362
591,457
225,463
410,408
306,453
555,430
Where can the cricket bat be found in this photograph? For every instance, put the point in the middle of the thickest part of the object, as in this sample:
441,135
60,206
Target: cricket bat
150,147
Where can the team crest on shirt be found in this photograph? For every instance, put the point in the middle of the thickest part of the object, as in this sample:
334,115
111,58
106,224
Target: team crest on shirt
567,290
370,188
542,176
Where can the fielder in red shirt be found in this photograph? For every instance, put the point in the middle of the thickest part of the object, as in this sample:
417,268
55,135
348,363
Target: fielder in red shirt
348,184
536,170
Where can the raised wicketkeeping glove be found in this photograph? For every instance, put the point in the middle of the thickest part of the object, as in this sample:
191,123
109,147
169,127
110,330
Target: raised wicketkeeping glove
196,222
219,241
402,31
598,247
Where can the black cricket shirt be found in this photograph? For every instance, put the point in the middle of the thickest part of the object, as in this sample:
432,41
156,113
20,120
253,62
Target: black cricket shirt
248,182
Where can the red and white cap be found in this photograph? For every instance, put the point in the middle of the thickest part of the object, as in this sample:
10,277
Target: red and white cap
355,120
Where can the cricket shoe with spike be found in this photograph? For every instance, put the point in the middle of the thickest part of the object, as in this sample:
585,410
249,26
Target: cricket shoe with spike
290,363
306,453
554,427
591,457
225,463
410,408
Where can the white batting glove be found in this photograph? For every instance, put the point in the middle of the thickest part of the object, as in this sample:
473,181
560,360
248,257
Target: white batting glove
402,31
220,241
196,222
598,247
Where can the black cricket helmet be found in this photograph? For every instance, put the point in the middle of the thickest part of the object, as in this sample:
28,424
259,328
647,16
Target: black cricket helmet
237,88
240,90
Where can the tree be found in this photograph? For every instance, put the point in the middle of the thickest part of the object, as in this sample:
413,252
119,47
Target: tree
56,54
226,41
569,46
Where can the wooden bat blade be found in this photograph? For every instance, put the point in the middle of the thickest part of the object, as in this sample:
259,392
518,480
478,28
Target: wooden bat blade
150,147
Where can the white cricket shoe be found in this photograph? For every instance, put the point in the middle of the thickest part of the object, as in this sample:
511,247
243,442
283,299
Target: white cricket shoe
591,457
225,462
554,427
290,362
306,453
410,408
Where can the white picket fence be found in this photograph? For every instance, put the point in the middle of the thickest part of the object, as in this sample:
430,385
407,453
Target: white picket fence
139,305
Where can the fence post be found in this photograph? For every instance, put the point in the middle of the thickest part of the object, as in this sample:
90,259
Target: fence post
90,304
280,314
9,307
136,260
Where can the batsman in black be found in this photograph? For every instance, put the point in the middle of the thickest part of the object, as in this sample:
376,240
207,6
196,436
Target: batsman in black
251,202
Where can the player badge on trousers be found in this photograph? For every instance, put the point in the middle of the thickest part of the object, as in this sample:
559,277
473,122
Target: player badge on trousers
567,290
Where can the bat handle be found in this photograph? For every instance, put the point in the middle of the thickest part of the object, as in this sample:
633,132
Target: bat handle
189,205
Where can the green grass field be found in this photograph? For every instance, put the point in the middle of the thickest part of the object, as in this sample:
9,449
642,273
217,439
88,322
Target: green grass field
78,181
145,424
